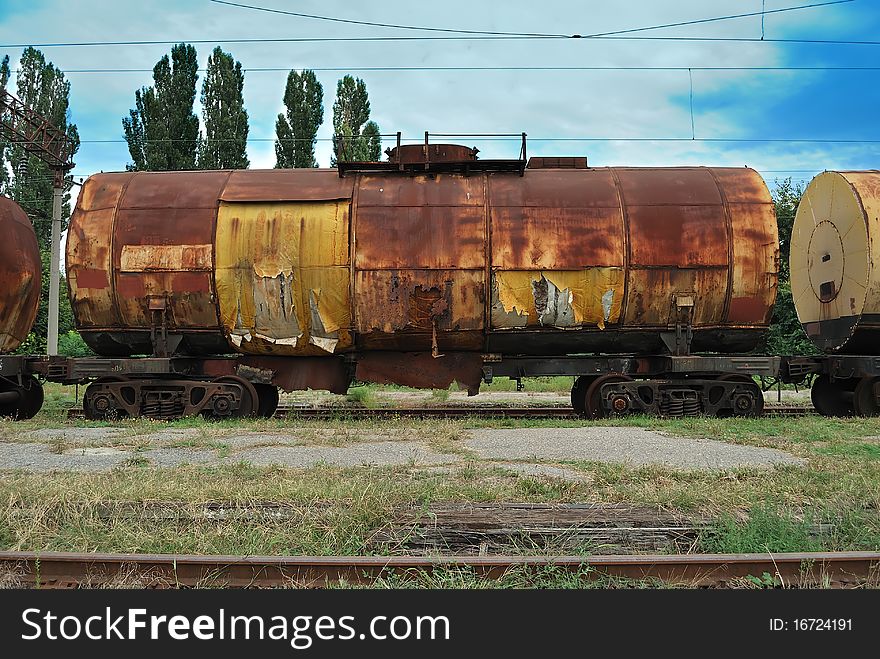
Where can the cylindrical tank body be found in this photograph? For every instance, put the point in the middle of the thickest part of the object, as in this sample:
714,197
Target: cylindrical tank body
19,275
305,262
834,249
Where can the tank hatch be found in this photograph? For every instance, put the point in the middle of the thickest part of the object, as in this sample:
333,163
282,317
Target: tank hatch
428,153
438,157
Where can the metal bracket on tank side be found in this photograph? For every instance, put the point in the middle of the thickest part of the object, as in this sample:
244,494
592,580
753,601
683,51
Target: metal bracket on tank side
678,342
163,344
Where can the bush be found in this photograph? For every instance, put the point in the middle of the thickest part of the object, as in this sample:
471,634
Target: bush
71,344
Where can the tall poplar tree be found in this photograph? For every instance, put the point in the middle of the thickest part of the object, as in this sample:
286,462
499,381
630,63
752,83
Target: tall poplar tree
4,146
162,130
351,123
296,130
42,87
226,121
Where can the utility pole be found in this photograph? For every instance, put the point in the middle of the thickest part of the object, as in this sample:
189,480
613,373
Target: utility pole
37,135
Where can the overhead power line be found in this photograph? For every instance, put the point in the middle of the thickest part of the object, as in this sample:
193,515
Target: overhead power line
402,69
549,139
761,13
263,40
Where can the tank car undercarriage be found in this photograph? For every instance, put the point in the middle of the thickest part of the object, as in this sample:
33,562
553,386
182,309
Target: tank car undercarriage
21,394
605,385
667,386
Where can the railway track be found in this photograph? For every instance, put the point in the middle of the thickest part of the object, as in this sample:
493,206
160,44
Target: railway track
555,412
71,570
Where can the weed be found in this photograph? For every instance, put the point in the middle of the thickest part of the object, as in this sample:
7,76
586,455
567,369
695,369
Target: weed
363,396
765,530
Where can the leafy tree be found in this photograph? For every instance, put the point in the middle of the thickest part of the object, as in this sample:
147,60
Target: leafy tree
370,145
786,336
296,132
226,120
42,87
163,131
4,146
786,198
351,123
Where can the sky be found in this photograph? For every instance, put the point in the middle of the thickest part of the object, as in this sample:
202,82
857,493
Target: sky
610,116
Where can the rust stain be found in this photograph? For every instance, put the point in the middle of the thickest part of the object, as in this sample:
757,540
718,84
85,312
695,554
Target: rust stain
654,291
299,373
163,231
746,309
529,238
130,286
254,185
391,191
680,236
420,237
88,249
421,370
190,282
418,300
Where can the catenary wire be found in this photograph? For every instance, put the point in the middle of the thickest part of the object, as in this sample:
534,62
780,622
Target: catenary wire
761,13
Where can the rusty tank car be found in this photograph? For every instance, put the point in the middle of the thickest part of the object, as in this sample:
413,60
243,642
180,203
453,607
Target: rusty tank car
21,396
429,268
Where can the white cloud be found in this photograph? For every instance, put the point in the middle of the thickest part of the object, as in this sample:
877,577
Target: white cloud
544,104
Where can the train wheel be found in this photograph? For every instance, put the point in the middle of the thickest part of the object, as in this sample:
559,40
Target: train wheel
579,393
864,398
267,397
25,399
831,398
249,397
749,400
100,406
593,396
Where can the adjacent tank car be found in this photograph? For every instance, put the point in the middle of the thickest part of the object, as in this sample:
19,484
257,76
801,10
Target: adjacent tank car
21,395
835,284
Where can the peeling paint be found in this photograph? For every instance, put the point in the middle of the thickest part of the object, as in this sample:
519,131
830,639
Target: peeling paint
152,258
283,276
607,303
556,298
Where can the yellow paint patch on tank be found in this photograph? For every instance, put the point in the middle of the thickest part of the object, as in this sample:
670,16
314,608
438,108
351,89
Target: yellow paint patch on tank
558,298
514,292
282,276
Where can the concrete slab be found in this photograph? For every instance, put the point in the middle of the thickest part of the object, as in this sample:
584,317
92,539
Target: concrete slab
379,453
631,446
537,469
38,457
72,435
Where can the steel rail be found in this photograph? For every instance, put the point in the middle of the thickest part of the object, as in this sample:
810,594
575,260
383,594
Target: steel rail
70,570
549,412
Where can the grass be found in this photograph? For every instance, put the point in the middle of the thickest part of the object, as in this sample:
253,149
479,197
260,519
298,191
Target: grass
341,508
830,503
770,529
363,396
